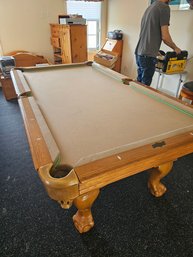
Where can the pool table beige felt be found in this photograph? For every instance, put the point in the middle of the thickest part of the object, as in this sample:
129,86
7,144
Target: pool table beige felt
88,126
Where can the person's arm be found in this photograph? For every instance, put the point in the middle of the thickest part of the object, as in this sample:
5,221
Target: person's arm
168,40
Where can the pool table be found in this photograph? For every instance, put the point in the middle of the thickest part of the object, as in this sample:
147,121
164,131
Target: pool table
89,126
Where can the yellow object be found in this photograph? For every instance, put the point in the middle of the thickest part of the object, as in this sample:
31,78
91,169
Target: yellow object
175,66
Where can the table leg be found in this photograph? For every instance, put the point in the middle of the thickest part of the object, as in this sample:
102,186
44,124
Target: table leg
154,184
178,87
83,219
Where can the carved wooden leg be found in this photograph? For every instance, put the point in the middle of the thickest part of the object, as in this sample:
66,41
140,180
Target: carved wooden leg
156,187
83,219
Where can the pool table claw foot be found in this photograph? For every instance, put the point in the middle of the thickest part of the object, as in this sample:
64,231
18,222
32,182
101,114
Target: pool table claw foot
83,219
157,190
154,184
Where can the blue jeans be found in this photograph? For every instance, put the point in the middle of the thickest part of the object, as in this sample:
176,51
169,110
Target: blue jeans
146,68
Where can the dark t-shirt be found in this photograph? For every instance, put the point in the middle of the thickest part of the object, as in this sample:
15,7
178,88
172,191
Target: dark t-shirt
155,16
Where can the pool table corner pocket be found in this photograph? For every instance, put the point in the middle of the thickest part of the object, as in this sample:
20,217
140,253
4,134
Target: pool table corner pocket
63,187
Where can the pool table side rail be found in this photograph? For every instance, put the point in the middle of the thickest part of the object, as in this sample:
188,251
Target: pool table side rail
102,172
55,66
111,73
42,144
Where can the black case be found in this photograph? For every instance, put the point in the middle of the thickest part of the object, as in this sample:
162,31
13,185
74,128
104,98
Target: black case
6,64
116,34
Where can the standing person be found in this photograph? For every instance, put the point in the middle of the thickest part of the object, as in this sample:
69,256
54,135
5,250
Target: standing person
154,30
190,2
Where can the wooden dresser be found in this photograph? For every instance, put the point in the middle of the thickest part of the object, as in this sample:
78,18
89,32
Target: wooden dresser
69,43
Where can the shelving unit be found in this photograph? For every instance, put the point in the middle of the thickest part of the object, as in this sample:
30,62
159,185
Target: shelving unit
69,43
110,54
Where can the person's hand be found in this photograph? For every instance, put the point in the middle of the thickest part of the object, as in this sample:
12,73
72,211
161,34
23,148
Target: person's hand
177,50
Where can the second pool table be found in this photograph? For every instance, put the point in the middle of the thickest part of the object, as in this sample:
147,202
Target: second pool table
88,126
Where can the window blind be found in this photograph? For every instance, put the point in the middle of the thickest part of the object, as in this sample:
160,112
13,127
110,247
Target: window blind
89,11
87,0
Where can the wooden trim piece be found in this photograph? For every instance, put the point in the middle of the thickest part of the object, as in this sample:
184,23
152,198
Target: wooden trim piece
8,88
43,147
55,66
26,59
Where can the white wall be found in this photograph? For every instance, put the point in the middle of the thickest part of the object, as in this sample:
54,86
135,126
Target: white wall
182,33
126,15
24,25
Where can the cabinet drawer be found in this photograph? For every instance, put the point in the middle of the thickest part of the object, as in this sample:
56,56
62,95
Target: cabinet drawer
55,41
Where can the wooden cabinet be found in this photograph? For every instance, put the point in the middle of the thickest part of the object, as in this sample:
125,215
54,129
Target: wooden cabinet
69,43
7,88
110,54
